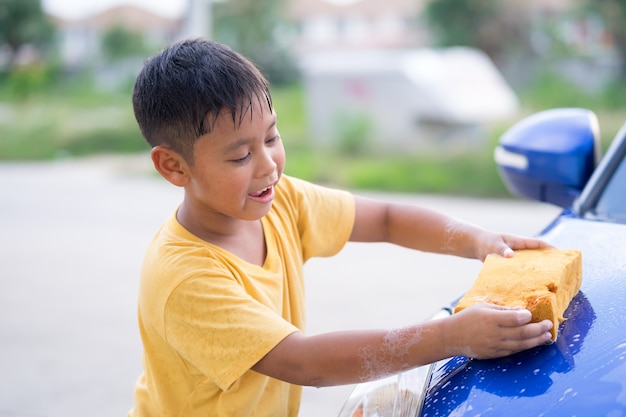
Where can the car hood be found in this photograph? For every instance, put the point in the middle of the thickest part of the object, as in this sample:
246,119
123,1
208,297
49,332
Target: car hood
583,373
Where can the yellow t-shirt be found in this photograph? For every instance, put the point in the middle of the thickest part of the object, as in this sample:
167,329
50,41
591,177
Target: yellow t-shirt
206,316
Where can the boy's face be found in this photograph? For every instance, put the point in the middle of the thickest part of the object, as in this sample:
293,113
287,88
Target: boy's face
236,166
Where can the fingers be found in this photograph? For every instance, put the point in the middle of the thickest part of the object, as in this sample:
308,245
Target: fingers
509,316
517,243
528,331
525,337
506,245
512,243
515,317
515,324
505,330
505,251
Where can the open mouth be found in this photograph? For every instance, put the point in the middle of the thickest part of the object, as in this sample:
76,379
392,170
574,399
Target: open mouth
262,193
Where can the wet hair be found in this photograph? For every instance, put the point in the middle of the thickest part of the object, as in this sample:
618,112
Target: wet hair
180,92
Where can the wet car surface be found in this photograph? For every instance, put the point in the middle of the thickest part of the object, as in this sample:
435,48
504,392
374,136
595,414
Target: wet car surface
551,157
582,373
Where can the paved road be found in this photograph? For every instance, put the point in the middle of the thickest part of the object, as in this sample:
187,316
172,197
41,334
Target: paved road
72,235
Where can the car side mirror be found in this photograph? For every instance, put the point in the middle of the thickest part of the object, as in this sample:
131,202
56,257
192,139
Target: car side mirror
550,155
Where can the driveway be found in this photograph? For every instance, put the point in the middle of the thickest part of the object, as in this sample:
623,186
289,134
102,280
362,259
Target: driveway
72,236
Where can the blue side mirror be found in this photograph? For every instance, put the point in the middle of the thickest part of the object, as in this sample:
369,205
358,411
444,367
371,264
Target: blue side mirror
550,155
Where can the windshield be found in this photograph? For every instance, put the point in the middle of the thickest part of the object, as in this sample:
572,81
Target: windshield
612,202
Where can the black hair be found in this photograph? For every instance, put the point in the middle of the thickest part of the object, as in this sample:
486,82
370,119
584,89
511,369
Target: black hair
180,92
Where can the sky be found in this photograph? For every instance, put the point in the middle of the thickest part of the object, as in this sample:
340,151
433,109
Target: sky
72,9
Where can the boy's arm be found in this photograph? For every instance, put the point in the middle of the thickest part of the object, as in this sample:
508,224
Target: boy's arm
427,230
482,331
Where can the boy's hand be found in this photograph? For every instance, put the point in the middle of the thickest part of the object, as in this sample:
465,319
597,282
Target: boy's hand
488,331
504,245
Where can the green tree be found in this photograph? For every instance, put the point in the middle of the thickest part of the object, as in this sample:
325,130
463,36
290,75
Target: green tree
23,22
613,14
253,28
119,42
496,27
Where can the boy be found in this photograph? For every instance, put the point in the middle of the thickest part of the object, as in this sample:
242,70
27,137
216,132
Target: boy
221,305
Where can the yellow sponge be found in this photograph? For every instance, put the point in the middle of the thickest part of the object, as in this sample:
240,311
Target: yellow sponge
543,281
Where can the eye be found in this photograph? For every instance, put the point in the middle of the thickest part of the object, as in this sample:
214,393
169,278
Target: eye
273,140
242,160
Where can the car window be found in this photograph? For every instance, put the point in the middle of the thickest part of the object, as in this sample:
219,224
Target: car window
612,202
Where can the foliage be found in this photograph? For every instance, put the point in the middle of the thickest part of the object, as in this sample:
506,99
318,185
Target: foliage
469,173
118,43
352,133
454,22
505,29
47,127
47,81
550,90
22,82
252,28
23,22
74,119
613,14
494,26
290,110
613,97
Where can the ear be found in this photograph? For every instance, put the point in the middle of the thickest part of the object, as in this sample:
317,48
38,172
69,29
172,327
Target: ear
171,165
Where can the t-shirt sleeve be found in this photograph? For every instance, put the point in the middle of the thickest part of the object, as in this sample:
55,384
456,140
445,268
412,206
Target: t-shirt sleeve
325,217
219,329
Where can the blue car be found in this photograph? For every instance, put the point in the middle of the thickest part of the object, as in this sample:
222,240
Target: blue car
552,156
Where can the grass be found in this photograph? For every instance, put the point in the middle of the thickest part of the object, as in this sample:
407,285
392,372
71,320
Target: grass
467,174
53,125
76,121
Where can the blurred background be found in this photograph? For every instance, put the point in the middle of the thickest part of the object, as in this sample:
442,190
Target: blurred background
419,90
402,97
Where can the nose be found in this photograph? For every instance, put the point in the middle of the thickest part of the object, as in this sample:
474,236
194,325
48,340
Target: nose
266,165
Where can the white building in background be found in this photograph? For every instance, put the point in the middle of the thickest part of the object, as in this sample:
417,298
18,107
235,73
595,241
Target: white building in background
405,99
319,25
354,51
197,21
79,39
356,24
